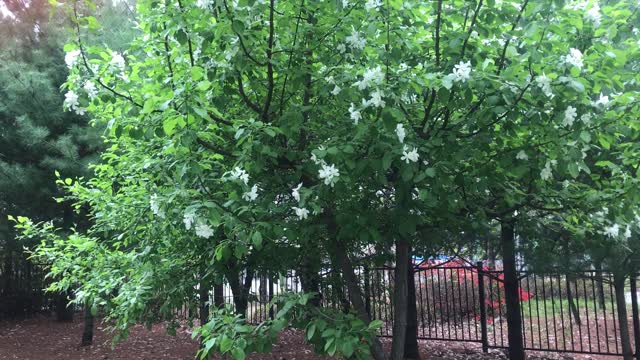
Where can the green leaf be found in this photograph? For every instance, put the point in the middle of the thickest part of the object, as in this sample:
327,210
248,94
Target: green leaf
225,343
238,354
311,330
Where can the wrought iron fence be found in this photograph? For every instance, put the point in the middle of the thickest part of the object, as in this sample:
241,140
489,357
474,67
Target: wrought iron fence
459,301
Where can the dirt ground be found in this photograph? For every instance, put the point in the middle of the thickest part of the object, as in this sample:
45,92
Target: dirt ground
43,338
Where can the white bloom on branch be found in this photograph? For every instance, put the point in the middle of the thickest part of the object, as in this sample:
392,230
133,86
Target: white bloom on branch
372,4
90,88
612,231
203,4
401,132
370,77
586,119
355,40
336,90
376,99
522,155
301,213
569,116
203,230
117,61
409,156
71,99
593,15
354,114
329,173
154,204
574,58
627,232
71,58
546,173
239,174
603,101
341,48
189,219
296,192
251,195
462,71
545,84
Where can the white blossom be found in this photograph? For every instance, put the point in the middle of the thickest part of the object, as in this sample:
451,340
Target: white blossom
586,118
370,77
602,101
203,4
71,99
574,58
627,232
301,213
545,84
189,219
376,99
401,132
409,156
546,174
295,192
90,88
336,90
154,204
239,174
71,58
355,41
251,195
372,4
522,155
569,116
329,173
341,48
593,15
354,114
612,231
462,71
474,34
117,61
203,230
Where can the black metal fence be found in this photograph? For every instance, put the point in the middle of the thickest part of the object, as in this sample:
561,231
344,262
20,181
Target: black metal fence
459,301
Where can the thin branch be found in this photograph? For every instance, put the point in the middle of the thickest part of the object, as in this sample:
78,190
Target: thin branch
267,102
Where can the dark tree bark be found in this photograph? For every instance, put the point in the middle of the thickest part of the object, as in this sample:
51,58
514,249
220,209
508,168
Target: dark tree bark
411,350
87,332
64,312
203,302
621,305
218,295
572,303
400,300
241,290
351,281
600,285
511,291
310,278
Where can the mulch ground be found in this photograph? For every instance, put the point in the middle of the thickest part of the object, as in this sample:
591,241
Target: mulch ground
43,338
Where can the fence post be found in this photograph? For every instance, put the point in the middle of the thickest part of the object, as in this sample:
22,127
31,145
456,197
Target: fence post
367,291
271,312
483,309
634,312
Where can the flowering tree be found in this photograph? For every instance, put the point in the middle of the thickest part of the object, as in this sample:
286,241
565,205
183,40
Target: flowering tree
248,130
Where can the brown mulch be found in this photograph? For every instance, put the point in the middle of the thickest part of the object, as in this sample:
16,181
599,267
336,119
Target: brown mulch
42,338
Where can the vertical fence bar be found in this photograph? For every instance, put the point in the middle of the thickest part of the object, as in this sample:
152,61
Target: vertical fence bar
483,310
634,312
367,291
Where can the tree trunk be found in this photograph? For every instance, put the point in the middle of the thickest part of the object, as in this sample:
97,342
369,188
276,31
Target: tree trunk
572,304
218,295
511,291
310,278
400,300
203,302
600,285
241,290
351,281
87,332
623,320
64,312
411,350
